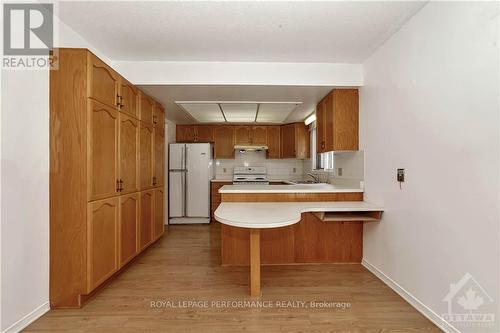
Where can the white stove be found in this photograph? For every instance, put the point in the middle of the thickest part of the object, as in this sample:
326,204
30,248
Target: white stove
250,175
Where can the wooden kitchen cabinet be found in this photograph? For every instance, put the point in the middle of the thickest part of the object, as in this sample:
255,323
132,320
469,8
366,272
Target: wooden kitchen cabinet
102,241
128,154
98,151
146,156
103,151
337,122
258,135
215,197
146,107
185,133
158,115
294,141
250,135
320,127
128,231
128,100
159,224
103,82
273,142
224,141
159,156
204,133
242,135
146,218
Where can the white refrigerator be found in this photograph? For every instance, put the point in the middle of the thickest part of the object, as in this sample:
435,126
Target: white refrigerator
190,172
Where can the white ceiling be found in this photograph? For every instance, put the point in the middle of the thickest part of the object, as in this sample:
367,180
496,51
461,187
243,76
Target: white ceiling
168,95
254,31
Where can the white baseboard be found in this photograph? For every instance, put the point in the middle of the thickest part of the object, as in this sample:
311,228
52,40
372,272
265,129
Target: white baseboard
415,302
28,319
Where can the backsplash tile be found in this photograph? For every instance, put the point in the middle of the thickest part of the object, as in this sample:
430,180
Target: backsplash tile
276,169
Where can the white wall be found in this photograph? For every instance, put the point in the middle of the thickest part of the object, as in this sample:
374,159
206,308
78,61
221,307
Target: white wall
241,73
24,258
430,105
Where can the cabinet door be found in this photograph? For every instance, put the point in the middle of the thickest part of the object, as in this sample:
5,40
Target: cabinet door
320,127
102,151
129,154
328,127
159,156
288,141
346,119
146,105
103,82
224,141
273,142
102,237
242,135
259,135
129,98
146,156
302,141
129,217
204,134
146,219
159,115
185,133
159,225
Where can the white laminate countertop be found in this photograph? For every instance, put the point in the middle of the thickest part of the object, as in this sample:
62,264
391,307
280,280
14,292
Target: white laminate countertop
281,214
299,188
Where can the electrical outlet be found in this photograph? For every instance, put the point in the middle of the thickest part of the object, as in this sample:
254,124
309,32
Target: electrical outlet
339,172
400,177
224,170
294,170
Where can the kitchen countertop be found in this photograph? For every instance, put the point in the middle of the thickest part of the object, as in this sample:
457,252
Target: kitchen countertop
281,214
299,188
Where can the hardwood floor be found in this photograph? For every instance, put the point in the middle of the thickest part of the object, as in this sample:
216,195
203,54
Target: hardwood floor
185,266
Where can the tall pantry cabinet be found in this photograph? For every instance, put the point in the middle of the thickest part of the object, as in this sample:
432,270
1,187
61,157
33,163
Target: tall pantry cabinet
106,175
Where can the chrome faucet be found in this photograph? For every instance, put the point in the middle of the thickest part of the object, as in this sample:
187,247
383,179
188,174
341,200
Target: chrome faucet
313,176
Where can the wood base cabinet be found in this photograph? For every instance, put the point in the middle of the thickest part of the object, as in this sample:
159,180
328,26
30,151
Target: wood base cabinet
101,155
103,221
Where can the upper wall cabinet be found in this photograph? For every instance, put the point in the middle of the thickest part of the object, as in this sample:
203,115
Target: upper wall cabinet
158,115
103,82
273,142
250,135
194,133
147,106
185,133
295,141
242,135
128,100
337,121
224,141
204,134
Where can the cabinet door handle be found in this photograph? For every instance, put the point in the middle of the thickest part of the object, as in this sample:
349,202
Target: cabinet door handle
121,185
154,180
117,185
154,119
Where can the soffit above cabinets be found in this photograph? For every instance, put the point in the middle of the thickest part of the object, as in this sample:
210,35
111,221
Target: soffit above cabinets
238,112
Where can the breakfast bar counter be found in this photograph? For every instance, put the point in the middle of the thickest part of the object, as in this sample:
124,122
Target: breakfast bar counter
291,224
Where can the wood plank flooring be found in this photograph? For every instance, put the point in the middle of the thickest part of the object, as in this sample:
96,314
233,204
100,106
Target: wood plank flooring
185,266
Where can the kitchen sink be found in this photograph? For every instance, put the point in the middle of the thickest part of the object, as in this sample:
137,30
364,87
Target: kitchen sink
306,182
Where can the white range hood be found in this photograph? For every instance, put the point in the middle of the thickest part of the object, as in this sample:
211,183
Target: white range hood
249,147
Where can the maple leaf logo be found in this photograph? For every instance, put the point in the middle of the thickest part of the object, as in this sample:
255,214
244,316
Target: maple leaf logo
470,301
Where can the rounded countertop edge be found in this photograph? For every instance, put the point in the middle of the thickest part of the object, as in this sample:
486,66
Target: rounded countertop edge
250,225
